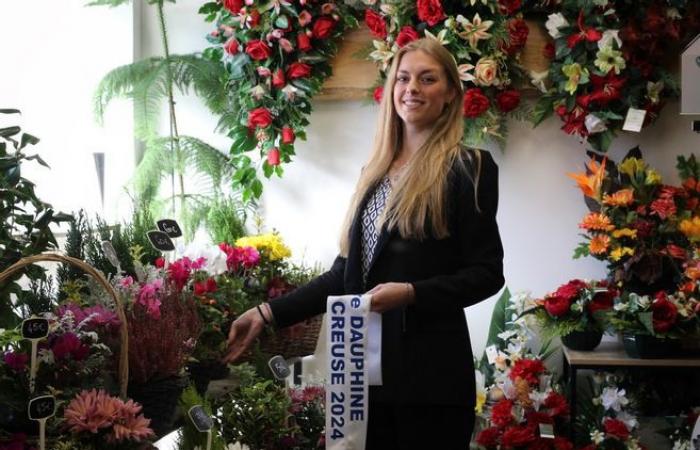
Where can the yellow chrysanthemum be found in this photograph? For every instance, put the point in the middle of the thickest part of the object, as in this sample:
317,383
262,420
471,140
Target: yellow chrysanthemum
691,228
653,177
625,232
599,244
623,197
270,244
596,221
619,252
632,166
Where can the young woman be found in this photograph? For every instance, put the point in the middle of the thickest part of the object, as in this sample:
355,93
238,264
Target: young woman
421,237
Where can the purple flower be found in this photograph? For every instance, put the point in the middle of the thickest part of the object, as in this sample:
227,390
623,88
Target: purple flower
16,361
68,344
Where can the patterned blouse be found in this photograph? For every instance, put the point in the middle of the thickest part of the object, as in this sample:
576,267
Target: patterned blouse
370,227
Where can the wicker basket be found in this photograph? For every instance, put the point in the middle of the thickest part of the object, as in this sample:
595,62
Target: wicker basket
123,371
297,340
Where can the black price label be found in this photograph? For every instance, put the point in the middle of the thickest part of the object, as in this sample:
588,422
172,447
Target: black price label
169,227
201,420
35,328
42,407
279,367
160,241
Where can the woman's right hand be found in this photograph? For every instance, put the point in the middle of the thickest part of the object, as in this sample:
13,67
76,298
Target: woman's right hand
243,332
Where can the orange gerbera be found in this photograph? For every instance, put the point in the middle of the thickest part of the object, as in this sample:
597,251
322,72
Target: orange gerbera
596,221
623,197
590,181
599,244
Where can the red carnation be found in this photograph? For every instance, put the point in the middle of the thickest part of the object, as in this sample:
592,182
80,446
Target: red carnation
273,157
233,6
663,207
278,80
664,313
602,301
288,135
518,436
378,94
527,369
68,344
323,27
375,23
561,443
406,35
475,103
557,305
231,46
160,262
258,50
259,117
557,404
488,437
517,32
571,290
616,428
501,413
508,100
508,7
430,11
303,42
298,70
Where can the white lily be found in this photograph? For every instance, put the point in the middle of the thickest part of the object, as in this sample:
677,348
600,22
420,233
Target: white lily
610,36
474,30
613,398
382,53
290,92
554,23
440,37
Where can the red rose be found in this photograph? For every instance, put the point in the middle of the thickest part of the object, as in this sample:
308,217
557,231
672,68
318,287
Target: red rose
508,7
561,443
273,157
323,27
375,23
258,50
488,437
200,288
616,428
231,46
259,117
160,262
406,35
287,135
378,94
518,436
527,369
501,413
508,100
475,103
556,305
571,289
602,301
557,404
233,6
253,18
298,70
303,42
548,50
430,11
664,314
211,285
278,80
517,32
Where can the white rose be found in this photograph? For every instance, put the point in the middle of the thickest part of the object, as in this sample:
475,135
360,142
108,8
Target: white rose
608,37
554,22
594,124
485,72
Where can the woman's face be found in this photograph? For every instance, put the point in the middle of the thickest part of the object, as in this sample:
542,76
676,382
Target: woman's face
421,90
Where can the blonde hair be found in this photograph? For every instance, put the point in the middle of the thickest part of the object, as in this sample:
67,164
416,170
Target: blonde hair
418,199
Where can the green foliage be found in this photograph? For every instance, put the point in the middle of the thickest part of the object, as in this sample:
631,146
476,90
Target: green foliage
688,167
188,436
225,220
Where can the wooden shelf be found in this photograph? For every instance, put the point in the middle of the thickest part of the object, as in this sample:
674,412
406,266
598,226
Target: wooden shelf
611,353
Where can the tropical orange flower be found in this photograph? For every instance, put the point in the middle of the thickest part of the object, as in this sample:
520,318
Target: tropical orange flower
599,244
596,221
623,197
693,271
691,228
590,183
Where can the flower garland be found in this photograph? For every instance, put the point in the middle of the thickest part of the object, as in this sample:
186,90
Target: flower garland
485,37
605,62
277,56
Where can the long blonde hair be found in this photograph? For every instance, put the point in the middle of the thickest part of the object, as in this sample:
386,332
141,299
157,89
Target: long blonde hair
418,199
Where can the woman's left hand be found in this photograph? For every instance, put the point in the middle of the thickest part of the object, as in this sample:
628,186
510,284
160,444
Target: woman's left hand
387,296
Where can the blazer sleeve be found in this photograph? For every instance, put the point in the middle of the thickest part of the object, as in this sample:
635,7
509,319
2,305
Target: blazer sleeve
309,300
479,274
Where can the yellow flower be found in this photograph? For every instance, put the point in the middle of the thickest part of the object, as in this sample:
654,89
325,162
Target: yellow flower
619,252
691,228
270,244
623,197
596,221
575,75
599,244
631,166
625,232
653,177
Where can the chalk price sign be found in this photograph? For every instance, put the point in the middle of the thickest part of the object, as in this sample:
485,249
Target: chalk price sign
35,328
169,227
41,408
160,241
201,420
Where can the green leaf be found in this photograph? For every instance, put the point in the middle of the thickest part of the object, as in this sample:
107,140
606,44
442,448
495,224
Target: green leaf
646,318
9,131
12,175
31,140
38,159
581,250
543,109
498,318
10,111
210,7
111,3
257,188
282,22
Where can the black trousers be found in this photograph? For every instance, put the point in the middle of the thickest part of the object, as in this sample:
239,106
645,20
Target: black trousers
427,427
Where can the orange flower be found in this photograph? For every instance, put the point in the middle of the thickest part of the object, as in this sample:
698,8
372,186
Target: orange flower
590,181
623,197
693,272
599,244
596,221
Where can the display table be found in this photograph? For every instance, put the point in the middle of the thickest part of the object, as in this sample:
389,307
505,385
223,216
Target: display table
610,355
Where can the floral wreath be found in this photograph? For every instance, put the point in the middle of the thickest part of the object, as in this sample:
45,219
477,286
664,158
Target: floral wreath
277,55
485,37
605,61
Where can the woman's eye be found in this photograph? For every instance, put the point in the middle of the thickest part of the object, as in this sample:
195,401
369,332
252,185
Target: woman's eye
428,80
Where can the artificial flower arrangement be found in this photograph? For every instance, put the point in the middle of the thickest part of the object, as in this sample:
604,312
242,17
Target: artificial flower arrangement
277,55
606,59
664,315
681,435
485,37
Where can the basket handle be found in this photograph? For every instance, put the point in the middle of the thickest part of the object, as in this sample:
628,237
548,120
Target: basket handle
123,370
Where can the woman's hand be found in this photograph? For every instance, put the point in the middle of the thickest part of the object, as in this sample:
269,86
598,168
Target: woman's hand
243,332
387,296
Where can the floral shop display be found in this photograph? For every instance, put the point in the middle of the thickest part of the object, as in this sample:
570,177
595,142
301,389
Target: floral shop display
609,60
485,37
277,55
576,313
645,232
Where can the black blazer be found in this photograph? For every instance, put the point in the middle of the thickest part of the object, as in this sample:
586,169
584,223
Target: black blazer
426,352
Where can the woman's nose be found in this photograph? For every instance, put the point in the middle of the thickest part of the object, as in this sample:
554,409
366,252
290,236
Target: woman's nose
412,86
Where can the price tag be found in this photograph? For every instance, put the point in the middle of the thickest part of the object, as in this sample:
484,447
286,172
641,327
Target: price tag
160,241
111,255
35,328
491,354
546,431
201,420
169,227
634,120
279,367
40,409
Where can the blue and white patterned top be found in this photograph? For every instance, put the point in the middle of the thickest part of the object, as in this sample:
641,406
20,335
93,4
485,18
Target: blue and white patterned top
370,226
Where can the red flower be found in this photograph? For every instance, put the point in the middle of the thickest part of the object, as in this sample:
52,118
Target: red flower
488,437
571,290
375,23
501,413
589,34
258,50
602,301
278,80
304,42
323,27
663,207
298,70
475,103
557,305
378,94
277,287
233,6
561,443
160,262
231,46
537,417
273,157
676,252
508,7
200,288
664,313
430,11
259,117
253,18
508,100
518,436
69,344
406,35
557,404
527,369
616,428
288,135
517,32
16,361
575,122
548,50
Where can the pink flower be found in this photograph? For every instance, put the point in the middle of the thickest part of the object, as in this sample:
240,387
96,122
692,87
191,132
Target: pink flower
68,344
126,282
236,257
16,361
147,297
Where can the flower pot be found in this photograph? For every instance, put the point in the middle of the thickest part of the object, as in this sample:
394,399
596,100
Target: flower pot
582,340
159,400
202,372
649,347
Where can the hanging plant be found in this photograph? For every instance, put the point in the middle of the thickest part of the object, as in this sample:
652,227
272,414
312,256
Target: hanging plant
277,54
486,38
607,58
